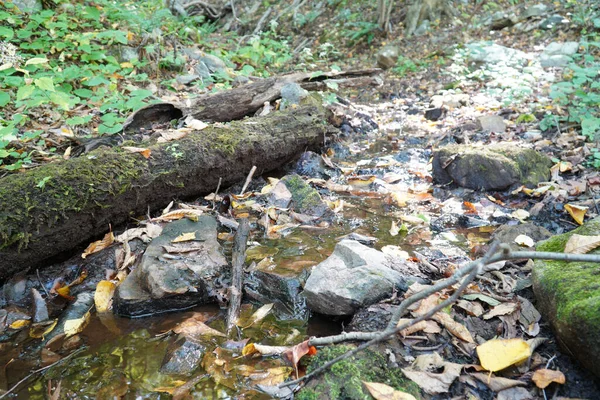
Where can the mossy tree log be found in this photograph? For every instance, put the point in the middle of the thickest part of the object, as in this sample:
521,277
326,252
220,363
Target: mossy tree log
53,208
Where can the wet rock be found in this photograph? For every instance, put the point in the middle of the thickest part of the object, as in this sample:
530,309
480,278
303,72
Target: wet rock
14,290
491,53
40,309
305,199
494,167
279,288
174,280
508,233
537,10
552,21
207,65
450,221
292,94
492,123
501,20
558,54
187,79
76,310
311,164
280,196
423,28
434,114
355,276
568,296
183,356
387,56
372,319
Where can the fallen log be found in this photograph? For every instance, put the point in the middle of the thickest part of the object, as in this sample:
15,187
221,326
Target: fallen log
55,207
247,99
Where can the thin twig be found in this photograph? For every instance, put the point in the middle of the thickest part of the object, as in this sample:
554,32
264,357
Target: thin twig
248,179
216,193
37,271
37,371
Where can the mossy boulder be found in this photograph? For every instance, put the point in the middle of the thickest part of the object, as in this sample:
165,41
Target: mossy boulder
494,167
568,296
344,379
305,199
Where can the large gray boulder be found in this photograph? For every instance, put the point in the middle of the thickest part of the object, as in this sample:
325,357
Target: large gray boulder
355,276
494,167
168,279
568,296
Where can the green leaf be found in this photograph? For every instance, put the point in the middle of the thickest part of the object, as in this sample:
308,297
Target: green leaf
36,60
45,83
24,92
85,93
6,32
63,100
97,80
4,98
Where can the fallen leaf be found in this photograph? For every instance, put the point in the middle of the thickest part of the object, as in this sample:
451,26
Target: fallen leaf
544,377
194,328
179,214
580,244
384,392
263,350
453,327
75,326
20,323
104,295
271,377
185,237
502,309
524,240
41,329
576,212
144,152
258,315
497,383
497,354
295,353
99,245
430,382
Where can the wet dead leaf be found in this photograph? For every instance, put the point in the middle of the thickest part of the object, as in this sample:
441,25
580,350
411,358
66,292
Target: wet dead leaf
544,377
76,325
99,245
502,309
174,215
497,354
41,329
497,383
580,244
104,295
194,328
576,212
454,327
379,391
263,350
271,377
295,353
258,315
20,323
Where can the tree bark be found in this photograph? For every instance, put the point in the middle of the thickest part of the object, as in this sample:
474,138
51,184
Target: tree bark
56,207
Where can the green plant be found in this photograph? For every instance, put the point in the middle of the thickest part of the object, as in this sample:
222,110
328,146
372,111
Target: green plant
405,65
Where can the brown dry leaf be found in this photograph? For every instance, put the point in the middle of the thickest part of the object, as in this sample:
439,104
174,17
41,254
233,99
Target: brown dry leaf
264,350
432,383
580,244
454,327
295,353
99,245
144,152
497,354
362,180
167,136
470,208
379,391
502,309
427,304
179,214
185,237
419,326
496,383
473,308
104,295
544,377
576,212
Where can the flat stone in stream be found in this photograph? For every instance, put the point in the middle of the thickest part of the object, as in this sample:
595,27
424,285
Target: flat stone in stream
493,167
170,277
183,356
356,276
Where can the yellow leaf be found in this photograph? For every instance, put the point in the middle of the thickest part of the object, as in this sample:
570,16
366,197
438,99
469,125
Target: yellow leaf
20,323
143,151
98,245
185,237
579,244
103,295
259,315
379,391
75,326
543,377
497,354
576,212
64,291
41,329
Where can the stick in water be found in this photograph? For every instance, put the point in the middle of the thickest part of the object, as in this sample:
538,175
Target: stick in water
248,179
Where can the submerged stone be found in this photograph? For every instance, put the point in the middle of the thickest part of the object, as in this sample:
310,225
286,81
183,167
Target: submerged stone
568,296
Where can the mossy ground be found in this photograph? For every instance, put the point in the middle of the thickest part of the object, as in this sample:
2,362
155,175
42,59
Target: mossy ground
344,379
